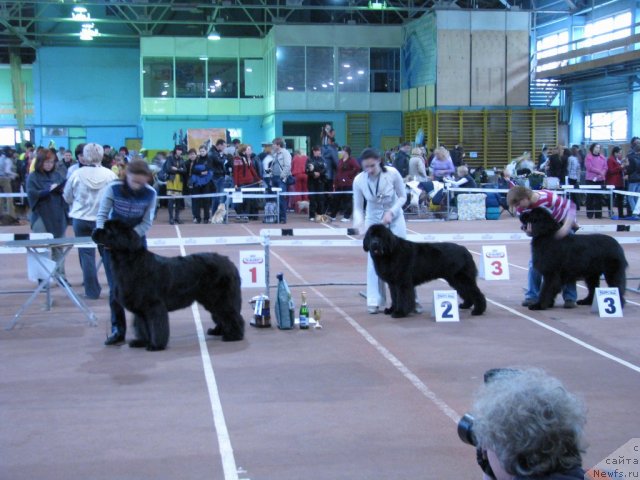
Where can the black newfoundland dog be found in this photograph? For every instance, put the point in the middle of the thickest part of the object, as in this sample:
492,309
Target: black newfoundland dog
404,264
151,286
571,258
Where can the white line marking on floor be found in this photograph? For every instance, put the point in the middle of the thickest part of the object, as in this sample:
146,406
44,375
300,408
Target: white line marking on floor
569,337
390,357
224,441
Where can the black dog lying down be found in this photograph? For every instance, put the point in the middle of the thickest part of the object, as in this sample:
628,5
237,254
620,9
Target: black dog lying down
404,265
571,258
150,286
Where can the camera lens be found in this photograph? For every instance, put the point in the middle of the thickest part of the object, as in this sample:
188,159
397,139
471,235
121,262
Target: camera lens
465,430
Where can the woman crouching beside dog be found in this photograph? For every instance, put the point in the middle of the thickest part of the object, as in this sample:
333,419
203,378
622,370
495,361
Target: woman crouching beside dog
384,191
563,210
133,201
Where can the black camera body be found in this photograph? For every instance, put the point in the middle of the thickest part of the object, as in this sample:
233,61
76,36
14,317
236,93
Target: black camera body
465,424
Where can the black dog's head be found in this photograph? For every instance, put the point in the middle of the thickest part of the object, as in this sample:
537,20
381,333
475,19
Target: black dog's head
538,222
379,240
117,235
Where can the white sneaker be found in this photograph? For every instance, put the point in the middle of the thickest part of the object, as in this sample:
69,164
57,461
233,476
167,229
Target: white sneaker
373,310
312,219
418,308
345,220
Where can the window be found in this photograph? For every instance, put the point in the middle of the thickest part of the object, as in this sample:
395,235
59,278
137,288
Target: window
290,69
157,77
607,29
251,78
190,78
320,62
602,126
385,70
552,45
353,69
223,78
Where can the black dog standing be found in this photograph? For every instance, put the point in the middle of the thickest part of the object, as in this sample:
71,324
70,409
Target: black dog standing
404,265
150,286
571,258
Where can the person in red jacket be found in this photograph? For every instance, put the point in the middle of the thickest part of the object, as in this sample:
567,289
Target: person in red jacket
615,177
347,169
298,165
245,175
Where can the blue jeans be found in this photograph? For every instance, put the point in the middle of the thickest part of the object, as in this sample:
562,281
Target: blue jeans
221,183
83,228
633,187
569,292
277,182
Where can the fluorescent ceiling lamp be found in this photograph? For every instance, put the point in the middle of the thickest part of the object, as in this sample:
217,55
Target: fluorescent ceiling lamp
377,4
80,14
213,35
88,31
248,70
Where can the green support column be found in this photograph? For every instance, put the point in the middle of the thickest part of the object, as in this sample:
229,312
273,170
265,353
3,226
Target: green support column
17,92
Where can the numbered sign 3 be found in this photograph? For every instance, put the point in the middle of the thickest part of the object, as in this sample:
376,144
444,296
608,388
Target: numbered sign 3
445,306
495,264
608,302
252,268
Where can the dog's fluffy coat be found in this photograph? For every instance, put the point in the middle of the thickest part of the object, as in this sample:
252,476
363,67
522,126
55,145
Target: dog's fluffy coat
574,257
150,286
404,265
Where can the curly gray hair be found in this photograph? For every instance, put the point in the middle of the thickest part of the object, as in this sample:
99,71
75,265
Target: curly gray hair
532,423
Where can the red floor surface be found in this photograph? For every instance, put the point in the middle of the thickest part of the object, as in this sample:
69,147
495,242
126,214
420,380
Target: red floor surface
366,397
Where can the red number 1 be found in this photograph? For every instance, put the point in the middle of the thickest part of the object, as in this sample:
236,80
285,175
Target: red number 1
254,274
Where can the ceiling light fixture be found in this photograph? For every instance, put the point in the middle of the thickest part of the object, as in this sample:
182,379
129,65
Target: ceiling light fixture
88,31
80,14
213,34
377,5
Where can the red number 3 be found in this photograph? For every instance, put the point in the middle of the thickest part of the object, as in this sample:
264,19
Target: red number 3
497,268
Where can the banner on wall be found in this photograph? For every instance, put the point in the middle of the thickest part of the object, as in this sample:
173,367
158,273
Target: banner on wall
204,136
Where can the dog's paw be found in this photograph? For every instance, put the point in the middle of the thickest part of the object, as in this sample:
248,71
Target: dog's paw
398,314
584,301
388,311
215,331
537,306
465,305
477,312
232,338
154,348
137,343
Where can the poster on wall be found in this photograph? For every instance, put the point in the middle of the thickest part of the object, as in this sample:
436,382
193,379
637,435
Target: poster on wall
204,136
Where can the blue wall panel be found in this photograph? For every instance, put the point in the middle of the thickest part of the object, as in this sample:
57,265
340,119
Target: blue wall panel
84,86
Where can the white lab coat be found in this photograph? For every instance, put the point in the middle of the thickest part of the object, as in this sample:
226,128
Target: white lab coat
387,194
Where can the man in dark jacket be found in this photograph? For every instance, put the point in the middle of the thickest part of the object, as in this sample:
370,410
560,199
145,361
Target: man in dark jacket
401,160
217,159
316,172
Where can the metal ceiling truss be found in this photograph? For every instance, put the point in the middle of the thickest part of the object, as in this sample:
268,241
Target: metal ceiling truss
27,24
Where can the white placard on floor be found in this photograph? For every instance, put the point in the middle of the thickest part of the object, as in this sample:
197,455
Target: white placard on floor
495,264
252,268
445,306
607,302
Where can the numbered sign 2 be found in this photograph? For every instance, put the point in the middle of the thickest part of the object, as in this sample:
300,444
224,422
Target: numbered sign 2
608,301
445,306
252,268
495,264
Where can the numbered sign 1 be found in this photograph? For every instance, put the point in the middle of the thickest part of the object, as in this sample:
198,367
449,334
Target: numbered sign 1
495,264
608,302
252,268
445,306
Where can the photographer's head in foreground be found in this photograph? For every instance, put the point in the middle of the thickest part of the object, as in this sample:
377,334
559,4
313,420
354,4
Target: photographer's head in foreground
528,426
